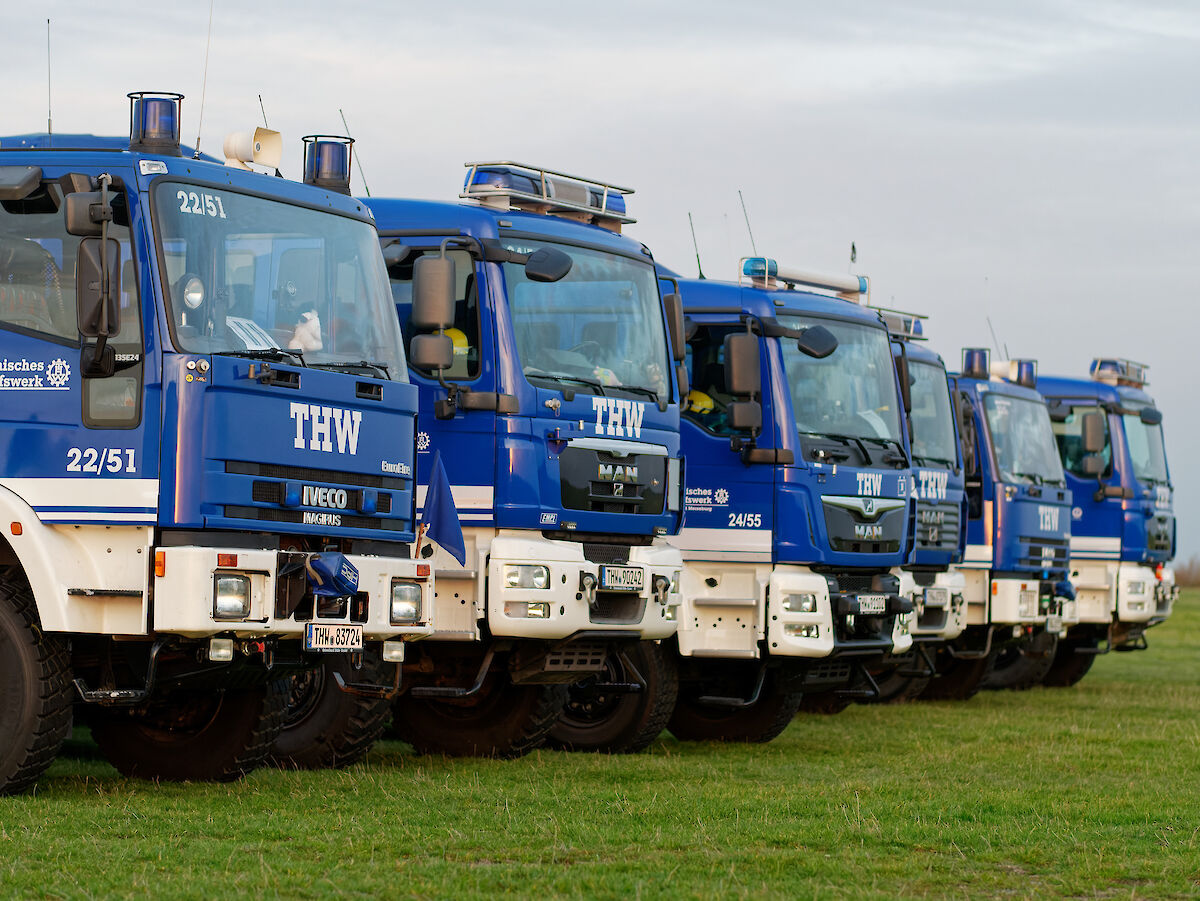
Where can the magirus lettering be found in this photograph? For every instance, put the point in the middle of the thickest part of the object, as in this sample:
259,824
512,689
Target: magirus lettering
318,427
322,519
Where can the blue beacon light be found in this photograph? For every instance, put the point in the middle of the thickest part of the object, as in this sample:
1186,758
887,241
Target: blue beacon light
154,122
327,162
760,267
975,362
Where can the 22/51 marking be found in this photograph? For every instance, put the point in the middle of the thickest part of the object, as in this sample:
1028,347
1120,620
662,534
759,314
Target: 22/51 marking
98,460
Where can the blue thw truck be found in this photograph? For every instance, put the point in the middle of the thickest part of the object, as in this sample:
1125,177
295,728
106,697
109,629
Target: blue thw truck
556,414
1110,440
207,479
797,501
1015,563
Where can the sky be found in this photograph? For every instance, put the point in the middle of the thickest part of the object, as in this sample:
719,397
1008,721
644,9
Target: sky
1031,164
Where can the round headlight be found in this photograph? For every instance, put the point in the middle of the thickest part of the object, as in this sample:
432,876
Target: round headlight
193,292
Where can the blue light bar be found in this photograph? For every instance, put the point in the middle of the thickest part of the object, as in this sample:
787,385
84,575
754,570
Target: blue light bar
904,326
976,362
509,185
765,269
1119,371
759,267
327,162
154,122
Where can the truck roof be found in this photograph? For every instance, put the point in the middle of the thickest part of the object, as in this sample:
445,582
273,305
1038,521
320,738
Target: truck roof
1065,386
997,386
764,303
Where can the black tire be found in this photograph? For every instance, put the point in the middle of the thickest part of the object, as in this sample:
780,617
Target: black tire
325,727
1069,667
595,720
217,736
894,686
503,720
1020,666
824,703
762,721
956,679
35,690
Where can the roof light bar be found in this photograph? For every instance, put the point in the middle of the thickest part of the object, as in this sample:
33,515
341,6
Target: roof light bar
154,122
763,270
903,326
1019,372
506,185
1119,371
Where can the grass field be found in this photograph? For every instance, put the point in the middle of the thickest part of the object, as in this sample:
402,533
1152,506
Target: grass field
1091,792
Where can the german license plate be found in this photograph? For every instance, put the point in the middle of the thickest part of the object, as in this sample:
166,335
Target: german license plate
1054,623
333,637
872,603
622,578
937,597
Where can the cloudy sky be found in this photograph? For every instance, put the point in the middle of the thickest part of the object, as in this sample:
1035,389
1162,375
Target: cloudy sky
1031,163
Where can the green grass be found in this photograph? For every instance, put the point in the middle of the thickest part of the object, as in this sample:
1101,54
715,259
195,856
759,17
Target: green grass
1091,792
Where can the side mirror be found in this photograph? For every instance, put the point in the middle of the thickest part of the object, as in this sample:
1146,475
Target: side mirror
97,307
433,353
1092,433
742,375
905,378
817,341
84,213
547,265
745,415
673,307
681,378
1093,465
433,293
1150,416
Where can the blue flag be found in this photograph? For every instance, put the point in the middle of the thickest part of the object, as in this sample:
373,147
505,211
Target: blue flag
439,515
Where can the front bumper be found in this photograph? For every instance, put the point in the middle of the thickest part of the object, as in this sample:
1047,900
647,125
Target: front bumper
939,610
185,585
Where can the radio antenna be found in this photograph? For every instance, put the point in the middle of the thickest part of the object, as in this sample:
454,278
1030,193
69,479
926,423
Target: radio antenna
747,215
264,111
995,340
204,82
357,159
692,226
49,118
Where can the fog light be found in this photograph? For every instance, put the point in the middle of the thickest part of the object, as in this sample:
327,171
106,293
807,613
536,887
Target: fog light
220,650
526,575
675,583
1027,603
802,630
800,603
231,597
1137,605
406,602
670,614
527,609
393,652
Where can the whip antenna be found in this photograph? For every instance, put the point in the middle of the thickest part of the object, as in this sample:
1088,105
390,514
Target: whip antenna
49,118
357,158
692,226
264,111
204,82
747,215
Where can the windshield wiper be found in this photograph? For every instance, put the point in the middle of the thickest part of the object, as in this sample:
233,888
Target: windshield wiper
1033,477
277,354
933,461
563,377
361,364
637,389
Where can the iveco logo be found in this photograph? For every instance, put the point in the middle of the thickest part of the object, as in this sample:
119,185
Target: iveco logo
865,507
325,497
616,473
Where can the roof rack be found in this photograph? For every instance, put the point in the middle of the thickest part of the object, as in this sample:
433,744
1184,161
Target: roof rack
763,271
1119,371
505,185
903,326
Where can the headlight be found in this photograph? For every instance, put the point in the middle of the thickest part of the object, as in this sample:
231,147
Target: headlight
526,575
800,603
406,603
231,596
527,609
1137,587
802,630
1027,603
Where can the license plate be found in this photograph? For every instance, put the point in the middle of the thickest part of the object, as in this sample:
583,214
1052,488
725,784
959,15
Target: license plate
872,603
1054,623
622,578
333,637
937,597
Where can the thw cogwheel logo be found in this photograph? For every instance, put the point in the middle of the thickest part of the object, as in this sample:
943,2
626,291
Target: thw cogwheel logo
721,496
58,373
422,441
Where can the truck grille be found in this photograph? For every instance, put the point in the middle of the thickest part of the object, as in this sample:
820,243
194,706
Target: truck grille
308,474
599,482
1044,553
937,527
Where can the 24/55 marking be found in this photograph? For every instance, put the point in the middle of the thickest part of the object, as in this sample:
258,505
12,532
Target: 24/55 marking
745,521
98,460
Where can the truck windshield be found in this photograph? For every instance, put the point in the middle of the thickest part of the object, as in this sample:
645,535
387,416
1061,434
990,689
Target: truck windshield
932,419
1146,449
249,276
852,392
1022,440
599,329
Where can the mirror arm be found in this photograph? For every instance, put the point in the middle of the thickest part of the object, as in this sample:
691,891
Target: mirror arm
106,217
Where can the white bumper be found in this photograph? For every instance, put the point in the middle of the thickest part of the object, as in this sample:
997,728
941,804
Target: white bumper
940,611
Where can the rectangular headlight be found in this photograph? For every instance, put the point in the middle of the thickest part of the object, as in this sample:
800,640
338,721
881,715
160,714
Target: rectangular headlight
527,609
800,603
1137,587
526,575
406,602
802,630
231,596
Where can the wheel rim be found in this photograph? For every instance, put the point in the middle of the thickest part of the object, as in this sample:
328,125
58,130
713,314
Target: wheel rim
304,694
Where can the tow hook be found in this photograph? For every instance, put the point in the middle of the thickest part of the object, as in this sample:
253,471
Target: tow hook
587,588
662,587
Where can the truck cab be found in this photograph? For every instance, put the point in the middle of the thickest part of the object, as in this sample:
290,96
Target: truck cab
1109,435
798,496
556,416
209,479
1018,530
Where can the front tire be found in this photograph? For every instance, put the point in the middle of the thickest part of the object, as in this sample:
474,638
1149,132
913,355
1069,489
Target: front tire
217,736
325,727
956,679
35,690
595,720
1021,666
1068,666
760,722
